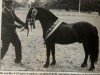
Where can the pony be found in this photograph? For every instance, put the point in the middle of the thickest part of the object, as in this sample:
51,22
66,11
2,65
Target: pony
82,32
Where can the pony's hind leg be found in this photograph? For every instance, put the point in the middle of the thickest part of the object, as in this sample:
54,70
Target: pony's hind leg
53,55
92,67
92,56
94,46
86,49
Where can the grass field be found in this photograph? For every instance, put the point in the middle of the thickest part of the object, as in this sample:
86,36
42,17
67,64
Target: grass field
69,57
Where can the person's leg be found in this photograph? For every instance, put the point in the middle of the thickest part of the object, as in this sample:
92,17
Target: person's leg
4,48
17,44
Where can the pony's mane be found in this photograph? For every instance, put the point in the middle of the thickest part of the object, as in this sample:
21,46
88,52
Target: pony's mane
47,12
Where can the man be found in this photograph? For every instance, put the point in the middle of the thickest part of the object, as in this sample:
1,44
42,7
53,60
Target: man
8,31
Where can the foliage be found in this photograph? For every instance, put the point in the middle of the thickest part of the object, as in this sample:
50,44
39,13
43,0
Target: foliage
90,5
64,4
86,5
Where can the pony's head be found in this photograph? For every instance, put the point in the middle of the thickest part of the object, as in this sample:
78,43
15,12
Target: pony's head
45,17
30,19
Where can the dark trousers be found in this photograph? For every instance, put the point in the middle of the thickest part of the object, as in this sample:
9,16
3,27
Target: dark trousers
16,43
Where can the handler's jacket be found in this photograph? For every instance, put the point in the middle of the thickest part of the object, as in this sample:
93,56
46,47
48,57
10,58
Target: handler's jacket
8,23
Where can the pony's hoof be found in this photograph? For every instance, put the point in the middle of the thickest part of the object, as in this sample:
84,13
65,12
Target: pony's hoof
84,65
91,68
46,65
53,63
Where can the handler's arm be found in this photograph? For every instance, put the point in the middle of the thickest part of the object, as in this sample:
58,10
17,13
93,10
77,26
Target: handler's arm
18,20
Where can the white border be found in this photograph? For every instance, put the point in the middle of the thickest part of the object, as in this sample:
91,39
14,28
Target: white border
0,16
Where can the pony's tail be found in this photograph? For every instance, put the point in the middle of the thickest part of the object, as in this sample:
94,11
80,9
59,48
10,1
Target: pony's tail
95,44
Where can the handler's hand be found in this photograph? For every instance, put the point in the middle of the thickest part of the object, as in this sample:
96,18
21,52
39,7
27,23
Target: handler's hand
25,27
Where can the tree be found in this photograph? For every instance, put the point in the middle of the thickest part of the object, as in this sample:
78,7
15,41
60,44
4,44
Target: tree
63,4
90,5
86,5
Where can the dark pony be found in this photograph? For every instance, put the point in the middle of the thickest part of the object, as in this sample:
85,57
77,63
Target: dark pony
82,32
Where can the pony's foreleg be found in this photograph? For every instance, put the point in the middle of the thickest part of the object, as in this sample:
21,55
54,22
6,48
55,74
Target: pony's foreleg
48,57
53,55
86,49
